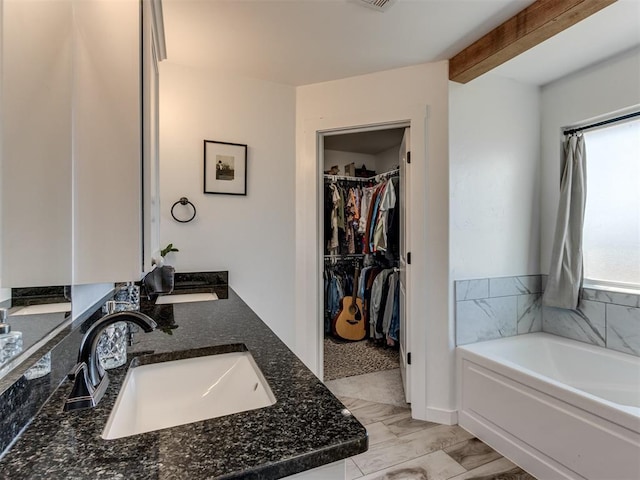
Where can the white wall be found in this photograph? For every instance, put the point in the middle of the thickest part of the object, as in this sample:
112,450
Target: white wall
417,94
494,132
388,160
252,236
608,87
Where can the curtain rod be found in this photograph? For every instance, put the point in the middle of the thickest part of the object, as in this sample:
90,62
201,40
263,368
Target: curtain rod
603,123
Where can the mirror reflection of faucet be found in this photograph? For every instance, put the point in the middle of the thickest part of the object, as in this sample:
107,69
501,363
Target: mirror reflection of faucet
10,341
91,379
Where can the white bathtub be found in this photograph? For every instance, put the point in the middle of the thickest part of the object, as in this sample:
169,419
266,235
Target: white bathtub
557,407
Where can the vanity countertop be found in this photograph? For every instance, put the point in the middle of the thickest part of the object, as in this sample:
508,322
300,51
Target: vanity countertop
304,429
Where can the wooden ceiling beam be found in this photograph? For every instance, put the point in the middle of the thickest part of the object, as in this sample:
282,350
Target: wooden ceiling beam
533,25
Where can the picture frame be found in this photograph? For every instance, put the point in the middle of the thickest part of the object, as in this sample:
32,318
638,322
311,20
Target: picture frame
225,168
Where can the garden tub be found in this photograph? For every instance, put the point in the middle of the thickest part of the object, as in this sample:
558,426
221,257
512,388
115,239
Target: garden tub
557,407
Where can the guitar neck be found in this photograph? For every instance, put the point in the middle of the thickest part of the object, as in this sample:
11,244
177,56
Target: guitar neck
356,275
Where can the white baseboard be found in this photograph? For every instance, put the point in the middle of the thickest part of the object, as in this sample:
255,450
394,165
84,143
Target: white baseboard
439,415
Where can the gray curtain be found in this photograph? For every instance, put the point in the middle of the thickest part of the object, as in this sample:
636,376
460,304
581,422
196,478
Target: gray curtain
566,273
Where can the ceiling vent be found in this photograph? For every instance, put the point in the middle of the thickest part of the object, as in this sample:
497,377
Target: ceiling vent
379,5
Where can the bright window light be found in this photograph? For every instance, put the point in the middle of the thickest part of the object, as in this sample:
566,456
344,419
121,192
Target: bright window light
611,240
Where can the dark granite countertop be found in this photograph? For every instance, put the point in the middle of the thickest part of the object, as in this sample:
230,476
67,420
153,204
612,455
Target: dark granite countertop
304,429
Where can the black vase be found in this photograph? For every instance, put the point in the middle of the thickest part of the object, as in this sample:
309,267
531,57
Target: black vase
159,281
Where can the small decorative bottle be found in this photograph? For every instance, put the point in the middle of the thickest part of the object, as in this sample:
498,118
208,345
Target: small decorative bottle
41,368
10,342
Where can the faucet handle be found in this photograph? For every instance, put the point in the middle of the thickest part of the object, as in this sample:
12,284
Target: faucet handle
111,306
90,379
84,394
78,368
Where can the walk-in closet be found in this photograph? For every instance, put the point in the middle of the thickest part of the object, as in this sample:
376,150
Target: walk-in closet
363,227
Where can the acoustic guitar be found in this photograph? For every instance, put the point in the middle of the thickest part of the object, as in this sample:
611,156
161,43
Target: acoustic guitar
349,322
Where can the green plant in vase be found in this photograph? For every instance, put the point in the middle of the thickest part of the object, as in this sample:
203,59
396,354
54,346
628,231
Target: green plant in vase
161,260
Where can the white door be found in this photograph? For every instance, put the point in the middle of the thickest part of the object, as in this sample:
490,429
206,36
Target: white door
405,334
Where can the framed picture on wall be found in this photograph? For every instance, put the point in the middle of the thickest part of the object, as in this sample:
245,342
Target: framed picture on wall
225,168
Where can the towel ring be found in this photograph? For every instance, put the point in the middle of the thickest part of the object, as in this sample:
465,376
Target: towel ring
184,201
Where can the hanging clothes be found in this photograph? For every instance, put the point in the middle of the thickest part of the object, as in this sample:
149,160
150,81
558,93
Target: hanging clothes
371,219
352,217
364,220
387,203
332,247
377,290
338,279
390,303
361,219
367,194
328,224
333,293
393,224
393,336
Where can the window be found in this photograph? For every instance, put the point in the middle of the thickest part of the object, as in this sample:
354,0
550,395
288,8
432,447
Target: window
611,243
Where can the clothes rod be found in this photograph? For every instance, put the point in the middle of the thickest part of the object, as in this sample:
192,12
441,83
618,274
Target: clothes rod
603,123
362,179
390,173
335,178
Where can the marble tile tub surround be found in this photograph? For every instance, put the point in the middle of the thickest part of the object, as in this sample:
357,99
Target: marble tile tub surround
490,308
605,318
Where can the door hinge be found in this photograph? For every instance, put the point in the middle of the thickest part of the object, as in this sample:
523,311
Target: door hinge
408,258
408,157
409,358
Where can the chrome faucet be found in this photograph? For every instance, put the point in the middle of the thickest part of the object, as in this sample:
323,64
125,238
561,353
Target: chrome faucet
90,378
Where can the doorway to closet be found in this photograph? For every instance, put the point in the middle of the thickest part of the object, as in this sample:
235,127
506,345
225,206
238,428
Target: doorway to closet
364,258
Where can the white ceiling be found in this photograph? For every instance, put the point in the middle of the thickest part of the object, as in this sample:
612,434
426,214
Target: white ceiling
298,42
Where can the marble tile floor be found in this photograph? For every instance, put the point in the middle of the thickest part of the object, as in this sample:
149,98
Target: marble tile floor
379,387
401,448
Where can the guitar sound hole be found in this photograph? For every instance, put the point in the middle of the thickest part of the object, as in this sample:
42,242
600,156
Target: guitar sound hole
354,312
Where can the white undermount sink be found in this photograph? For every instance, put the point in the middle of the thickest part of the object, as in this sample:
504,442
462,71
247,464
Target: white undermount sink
185,297
177,392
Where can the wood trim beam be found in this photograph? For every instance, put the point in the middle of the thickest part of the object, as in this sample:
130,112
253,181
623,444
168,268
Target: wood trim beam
533,25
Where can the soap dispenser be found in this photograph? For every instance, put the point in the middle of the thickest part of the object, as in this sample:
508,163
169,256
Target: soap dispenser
10,342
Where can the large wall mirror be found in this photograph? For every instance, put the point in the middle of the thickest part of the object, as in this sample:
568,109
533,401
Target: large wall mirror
36,80
70,156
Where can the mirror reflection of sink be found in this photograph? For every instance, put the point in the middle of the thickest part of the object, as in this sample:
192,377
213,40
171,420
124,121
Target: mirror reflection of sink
171,393
44,308
185,297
